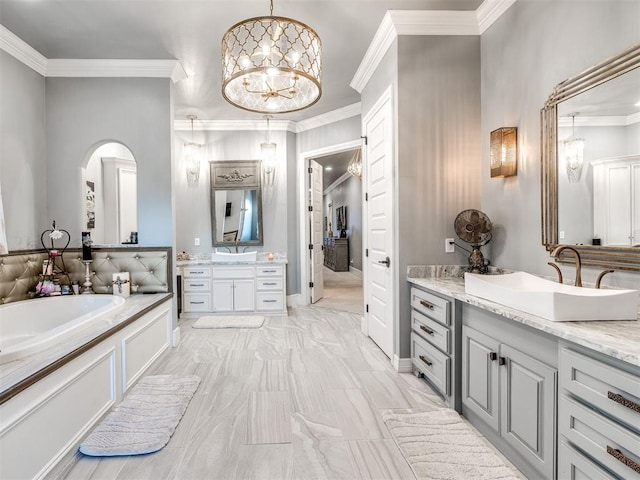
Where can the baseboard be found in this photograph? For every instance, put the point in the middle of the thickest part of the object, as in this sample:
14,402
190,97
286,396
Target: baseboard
175,341
294,300
356,272
402,365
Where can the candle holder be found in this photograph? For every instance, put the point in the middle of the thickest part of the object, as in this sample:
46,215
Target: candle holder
87,278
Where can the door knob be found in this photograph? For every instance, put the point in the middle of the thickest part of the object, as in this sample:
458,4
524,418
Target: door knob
386,262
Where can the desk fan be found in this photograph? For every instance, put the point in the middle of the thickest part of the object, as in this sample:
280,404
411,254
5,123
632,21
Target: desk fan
474,228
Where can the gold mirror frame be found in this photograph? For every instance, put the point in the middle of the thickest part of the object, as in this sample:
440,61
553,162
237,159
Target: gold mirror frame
619,258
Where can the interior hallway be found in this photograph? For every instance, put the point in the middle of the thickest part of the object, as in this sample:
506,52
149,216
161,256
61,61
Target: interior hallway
342,291
299,398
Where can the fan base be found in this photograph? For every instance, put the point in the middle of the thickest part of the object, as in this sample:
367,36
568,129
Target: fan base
477,263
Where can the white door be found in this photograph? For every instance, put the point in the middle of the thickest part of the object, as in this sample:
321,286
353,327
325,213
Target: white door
379,296
316,231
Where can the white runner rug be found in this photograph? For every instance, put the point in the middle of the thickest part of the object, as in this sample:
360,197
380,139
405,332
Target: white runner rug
439,445
229,321
145,420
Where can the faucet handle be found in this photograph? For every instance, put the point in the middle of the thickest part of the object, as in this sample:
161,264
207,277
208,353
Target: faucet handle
601,276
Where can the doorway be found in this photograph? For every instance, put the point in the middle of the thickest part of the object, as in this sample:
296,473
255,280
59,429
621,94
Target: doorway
339,226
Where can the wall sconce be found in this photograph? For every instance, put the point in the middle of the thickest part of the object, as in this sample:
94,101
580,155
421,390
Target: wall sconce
268,155
504,152
192,157
574,153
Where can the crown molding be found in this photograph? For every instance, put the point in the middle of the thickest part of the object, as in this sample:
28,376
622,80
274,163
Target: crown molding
22,51
68,67
333,116
340,180
424,22
235,125
600,121
490,10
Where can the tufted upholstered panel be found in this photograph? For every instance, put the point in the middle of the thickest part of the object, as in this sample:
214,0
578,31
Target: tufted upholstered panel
149,269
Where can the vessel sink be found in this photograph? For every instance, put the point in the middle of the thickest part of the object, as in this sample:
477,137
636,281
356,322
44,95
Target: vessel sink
553,301
234,257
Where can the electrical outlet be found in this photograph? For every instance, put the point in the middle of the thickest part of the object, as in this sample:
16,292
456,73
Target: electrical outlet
196,242
449,246
561,234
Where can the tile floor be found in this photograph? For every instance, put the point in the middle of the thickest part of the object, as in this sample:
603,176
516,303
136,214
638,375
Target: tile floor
299,398
342,291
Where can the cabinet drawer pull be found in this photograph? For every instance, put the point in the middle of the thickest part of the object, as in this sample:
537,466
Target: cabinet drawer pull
502,361
424,359
426,304
269,283
625,402
196,273
268,271
269,301
622,458
493,356
196,303
425,329
196,284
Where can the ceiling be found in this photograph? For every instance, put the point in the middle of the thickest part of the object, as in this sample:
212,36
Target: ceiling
191,32
334,166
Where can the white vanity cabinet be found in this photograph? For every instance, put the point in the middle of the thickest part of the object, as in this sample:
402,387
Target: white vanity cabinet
241,287
233,289
509,389
598,417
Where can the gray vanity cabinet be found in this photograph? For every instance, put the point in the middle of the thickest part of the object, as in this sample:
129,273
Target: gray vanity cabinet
508,393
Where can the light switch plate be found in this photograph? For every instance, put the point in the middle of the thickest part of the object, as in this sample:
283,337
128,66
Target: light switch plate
196,242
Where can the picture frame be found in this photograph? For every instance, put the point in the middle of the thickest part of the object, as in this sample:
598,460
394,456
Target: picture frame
341,218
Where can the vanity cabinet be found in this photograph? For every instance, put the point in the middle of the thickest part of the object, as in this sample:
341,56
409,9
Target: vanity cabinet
508,392
244,288
598,417
432,341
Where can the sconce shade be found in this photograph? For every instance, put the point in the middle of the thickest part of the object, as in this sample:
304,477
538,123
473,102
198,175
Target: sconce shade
268,154
504,152
192,158
355,164
574,153
271,65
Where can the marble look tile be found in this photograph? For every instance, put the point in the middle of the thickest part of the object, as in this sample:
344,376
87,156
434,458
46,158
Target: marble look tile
91,468
419,393
268,418
229,395
272,376
238,362
245,339
337,374
307,394
324,459
383,390
378,459
358,419
264,462
316,425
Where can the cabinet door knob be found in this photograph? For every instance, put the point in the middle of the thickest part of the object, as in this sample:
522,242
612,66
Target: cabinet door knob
493,356
424,359
502,361
425,329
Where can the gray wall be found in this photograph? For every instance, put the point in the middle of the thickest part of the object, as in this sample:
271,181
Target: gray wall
23,166
535,45
83,113
335,133
293,229
349,194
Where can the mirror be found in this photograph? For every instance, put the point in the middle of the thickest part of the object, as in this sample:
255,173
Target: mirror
111,200
595,207
236,203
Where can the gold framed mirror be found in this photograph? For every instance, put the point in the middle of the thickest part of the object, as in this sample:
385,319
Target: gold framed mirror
566,95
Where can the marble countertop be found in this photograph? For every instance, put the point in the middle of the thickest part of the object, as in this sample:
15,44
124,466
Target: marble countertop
618,339
205,259
12,373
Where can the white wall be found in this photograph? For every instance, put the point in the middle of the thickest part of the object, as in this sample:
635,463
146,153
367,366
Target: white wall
23,166
535,45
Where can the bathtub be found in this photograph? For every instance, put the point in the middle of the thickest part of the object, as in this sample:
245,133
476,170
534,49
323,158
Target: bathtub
31,326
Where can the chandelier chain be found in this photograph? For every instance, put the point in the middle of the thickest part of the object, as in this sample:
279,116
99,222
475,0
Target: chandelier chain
271,8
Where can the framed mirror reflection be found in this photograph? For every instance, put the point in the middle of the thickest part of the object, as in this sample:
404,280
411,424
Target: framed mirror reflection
236,203
590,182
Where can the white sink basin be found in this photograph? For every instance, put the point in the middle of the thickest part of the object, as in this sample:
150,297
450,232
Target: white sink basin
551,300
234,257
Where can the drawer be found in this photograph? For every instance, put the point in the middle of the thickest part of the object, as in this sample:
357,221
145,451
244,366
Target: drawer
196,272
434,364
270,284
430,305
233,272
611,390
573,465
269,271
431,331
270,301
608,443
197,302
196,285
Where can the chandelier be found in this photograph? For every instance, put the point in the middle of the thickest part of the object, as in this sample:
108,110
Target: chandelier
574,153
192,157
268,152
271,65
355,164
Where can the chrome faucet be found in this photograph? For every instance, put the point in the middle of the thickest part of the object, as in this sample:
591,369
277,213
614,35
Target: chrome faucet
556,252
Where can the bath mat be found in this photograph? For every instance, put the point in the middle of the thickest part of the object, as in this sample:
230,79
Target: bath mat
439,445
229,321
145,420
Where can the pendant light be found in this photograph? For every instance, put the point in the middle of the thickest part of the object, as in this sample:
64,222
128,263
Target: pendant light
192,157
271,65
574,153
268,154
355,164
